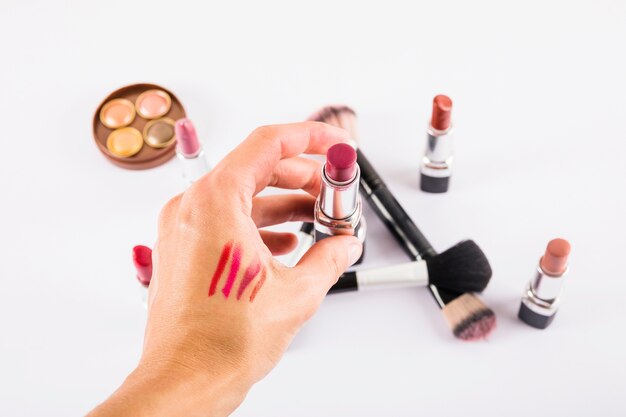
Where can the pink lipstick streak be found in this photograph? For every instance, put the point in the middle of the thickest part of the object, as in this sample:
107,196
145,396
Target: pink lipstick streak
251,272
234,253
338,207
189,151
436,166
541,301
234,269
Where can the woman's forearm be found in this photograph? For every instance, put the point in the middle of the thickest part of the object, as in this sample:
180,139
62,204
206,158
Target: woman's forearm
164,392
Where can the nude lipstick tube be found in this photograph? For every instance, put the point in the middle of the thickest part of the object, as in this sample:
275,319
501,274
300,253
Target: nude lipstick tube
338,207
436,166
189,151
541,299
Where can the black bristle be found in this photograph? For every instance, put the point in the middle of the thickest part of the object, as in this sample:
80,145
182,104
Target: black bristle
462,268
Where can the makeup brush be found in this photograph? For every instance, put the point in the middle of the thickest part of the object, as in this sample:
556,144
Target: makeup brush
305,240
468,318
462,268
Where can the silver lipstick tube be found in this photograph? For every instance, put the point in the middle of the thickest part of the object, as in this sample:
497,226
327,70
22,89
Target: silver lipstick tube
193,167
540,301
338,208
437,161
436,166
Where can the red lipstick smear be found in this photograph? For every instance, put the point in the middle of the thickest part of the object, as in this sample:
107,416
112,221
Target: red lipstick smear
251,272
142,258
221,265
442,112
232,274
258,286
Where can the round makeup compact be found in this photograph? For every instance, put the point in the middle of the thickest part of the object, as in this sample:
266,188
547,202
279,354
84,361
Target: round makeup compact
117,113
124,142
159,133
135,116
153,104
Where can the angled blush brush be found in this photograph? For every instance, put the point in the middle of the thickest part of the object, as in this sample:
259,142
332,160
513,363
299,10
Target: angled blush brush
466,315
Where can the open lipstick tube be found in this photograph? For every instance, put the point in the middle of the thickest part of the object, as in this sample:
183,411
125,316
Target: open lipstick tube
338,207
436,167
189,151
541,299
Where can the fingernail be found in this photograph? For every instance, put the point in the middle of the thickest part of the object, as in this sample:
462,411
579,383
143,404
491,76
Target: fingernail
354,252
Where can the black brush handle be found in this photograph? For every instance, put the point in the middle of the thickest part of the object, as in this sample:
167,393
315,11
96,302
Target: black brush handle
347,282
390,211
307,227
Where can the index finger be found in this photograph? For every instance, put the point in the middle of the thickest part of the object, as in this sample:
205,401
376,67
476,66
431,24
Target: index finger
253,161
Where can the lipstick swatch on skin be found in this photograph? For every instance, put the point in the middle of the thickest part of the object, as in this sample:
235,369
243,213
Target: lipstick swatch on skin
251,272
221,265
258,286
234,269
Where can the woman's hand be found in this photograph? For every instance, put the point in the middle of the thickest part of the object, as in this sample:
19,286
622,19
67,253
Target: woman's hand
222,311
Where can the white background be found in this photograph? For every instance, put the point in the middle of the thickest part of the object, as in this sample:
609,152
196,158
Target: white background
539,107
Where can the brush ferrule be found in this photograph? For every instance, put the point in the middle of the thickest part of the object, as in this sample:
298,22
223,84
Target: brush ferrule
437,160
409,274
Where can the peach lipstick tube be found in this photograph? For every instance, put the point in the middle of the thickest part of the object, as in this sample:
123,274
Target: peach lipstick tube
541,299
436,166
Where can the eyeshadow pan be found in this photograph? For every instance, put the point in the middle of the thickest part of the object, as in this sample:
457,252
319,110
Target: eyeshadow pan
117,150
125,142
153,104
159,133
116,113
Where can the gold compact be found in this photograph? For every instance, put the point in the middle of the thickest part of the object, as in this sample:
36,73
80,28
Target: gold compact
159,133
125,114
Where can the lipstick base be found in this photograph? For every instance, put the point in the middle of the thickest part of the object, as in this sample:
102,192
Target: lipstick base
321,235
534,319
193,168
434,184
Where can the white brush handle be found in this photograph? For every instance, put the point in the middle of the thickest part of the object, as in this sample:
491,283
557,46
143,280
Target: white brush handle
410,274
305,240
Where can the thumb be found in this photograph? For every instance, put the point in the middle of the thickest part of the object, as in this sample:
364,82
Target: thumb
327,259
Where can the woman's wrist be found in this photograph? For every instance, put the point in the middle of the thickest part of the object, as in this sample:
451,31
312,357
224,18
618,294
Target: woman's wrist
166,390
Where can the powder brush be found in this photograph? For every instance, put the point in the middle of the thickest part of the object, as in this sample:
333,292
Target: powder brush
468,317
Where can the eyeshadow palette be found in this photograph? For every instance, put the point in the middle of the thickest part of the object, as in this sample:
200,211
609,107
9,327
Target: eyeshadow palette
134,126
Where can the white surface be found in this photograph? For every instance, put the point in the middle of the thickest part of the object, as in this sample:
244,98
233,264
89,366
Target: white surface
545,161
